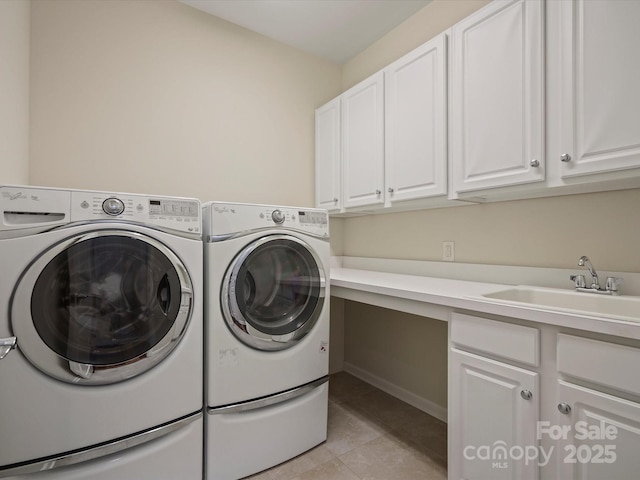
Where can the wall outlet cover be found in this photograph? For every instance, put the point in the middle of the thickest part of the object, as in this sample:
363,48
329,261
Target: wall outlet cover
448,251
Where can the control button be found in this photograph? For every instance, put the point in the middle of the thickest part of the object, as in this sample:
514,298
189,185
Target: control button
85,204
113,206
277,216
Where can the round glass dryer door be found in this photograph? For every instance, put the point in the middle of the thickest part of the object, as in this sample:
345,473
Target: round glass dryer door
101,307
273,292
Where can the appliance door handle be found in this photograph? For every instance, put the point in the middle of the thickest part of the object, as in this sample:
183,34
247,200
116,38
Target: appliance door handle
272,400
323,287
101,450
6,345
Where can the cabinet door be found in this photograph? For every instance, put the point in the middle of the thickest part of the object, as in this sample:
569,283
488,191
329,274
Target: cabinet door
363,143
415,123
328,174
489,413
603,435
600,98
497,102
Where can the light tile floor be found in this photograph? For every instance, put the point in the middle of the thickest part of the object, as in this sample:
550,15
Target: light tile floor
372,435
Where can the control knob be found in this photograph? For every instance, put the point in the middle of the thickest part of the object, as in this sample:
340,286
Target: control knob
113,206
277,216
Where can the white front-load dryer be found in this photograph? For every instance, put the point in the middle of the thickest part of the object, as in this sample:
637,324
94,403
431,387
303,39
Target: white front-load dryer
267,335
101,333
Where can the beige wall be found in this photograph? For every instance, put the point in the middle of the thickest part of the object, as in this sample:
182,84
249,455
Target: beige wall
547,232
155,96
436,17
14,91
406,350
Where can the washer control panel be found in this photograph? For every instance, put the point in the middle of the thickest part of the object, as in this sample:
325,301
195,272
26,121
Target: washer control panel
313,217
182,214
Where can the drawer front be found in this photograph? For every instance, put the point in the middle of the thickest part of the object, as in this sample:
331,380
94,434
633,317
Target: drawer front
605,363
505,340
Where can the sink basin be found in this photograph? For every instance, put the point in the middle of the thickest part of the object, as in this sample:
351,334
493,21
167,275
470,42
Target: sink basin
619,307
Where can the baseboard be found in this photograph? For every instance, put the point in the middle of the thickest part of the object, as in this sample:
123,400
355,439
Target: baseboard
403,394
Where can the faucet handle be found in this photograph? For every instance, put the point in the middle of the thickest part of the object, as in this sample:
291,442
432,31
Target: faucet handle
613,283
579,280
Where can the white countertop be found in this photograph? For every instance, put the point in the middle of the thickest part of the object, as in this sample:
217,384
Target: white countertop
436,297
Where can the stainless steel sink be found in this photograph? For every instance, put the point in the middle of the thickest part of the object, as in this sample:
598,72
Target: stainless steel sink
619,307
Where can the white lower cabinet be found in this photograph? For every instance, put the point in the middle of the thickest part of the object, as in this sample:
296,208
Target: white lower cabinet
573,412
599,435
495,409
599,420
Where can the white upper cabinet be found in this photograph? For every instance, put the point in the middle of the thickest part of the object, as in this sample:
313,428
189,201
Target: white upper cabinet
599,89
363,143
497,96
328,164
523,98
415,124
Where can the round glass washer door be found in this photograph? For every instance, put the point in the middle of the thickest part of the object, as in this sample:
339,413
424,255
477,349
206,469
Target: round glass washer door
101,307
273,292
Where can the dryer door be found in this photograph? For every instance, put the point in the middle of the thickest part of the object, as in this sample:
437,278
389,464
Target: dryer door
273,292
101,307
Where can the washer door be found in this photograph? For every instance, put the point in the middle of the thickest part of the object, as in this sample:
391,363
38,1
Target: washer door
101,307
273,292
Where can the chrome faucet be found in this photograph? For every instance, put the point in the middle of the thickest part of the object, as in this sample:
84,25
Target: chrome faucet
611,286
584,262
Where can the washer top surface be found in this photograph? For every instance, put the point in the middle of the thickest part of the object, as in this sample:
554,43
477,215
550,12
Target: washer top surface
26,209
221,219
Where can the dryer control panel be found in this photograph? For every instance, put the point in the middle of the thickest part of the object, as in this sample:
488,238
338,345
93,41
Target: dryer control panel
228,218
309,220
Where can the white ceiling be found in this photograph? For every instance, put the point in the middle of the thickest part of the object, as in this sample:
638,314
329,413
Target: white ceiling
333,29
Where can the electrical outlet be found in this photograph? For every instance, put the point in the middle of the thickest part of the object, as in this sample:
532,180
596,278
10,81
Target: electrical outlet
448,251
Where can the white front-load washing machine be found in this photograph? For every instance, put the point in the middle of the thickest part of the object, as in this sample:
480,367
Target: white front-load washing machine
101,353
267,335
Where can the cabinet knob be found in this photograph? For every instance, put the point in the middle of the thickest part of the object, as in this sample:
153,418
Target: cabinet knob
526,394
390,190
565,157
534,163
335,200
564,408
378,192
